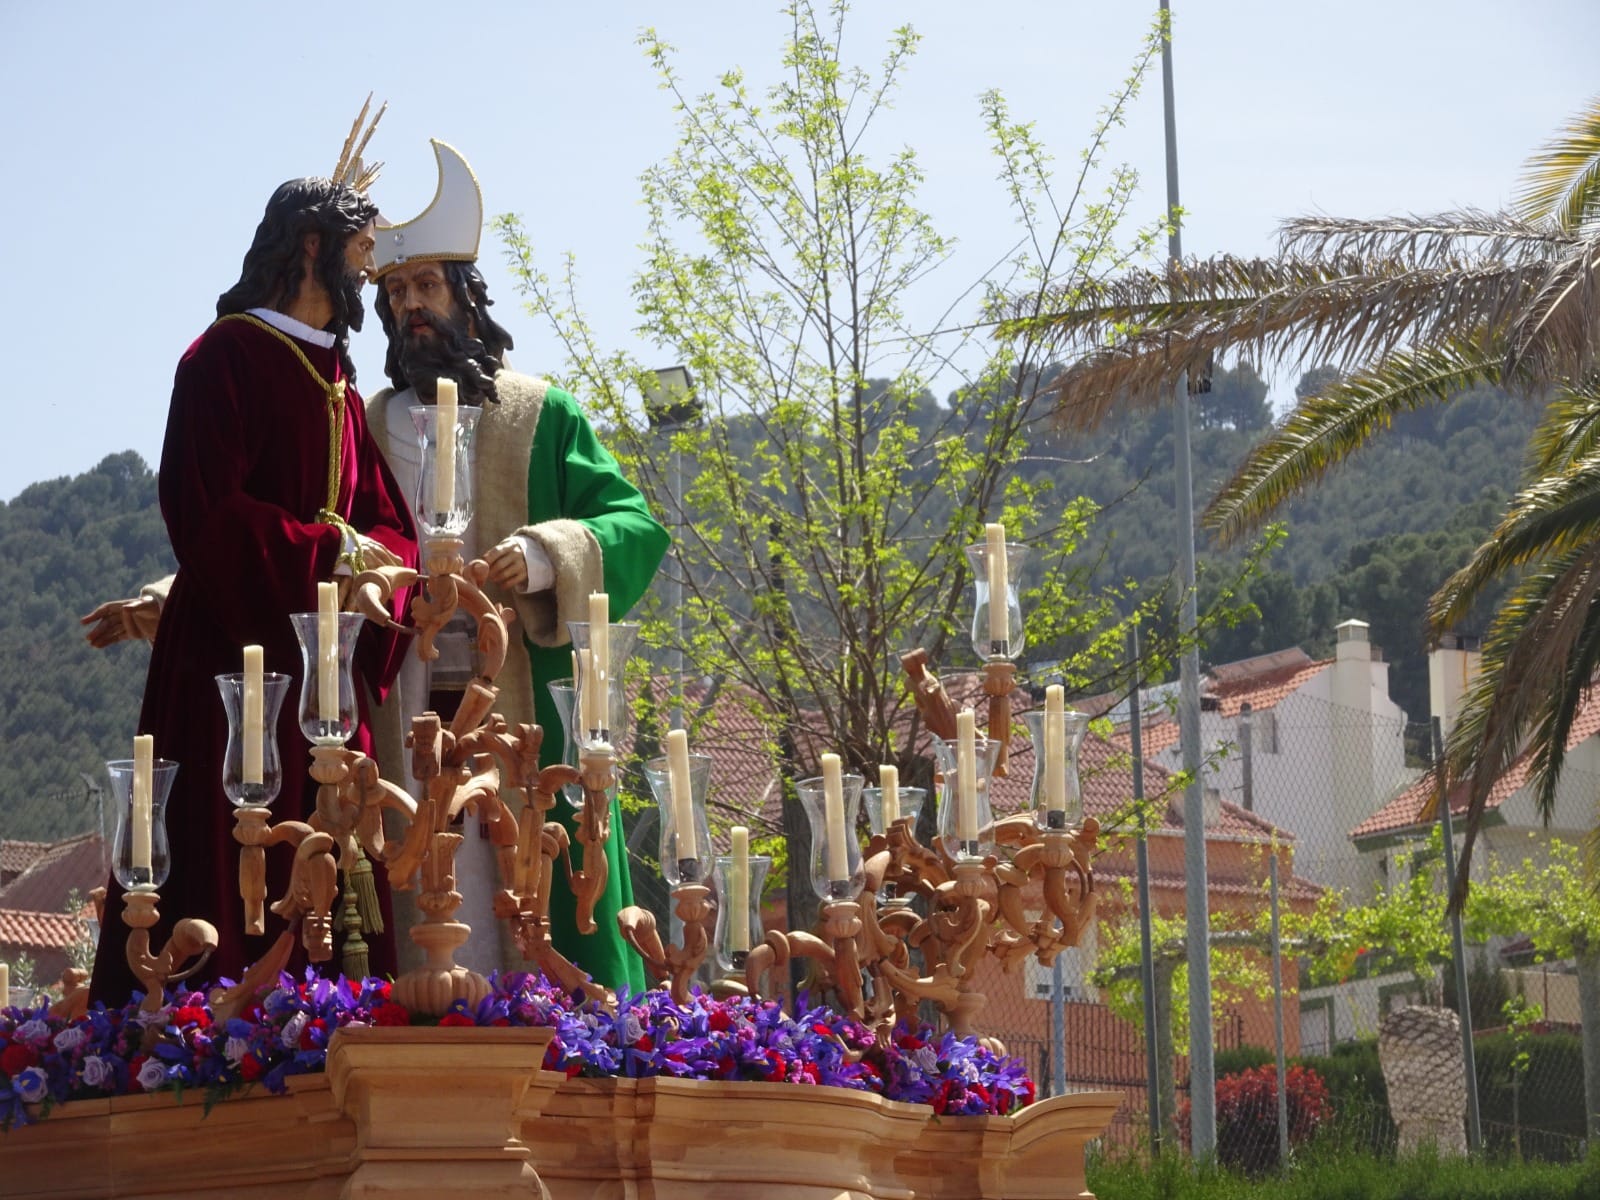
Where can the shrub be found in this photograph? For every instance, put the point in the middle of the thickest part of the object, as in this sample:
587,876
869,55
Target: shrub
1247,1115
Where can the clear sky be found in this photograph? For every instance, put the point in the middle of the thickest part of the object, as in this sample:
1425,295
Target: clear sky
144,141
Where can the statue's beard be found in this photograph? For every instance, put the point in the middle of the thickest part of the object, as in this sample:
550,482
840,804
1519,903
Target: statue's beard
450,350
345,294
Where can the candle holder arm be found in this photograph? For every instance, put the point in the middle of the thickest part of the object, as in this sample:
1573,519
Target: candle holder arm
260,977
638,928
933,702
372,590
999,678
191,938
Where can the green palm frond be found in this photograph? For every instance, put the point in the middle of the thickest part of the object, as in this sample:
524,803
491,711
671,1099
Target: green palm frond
1538,657
1547,518
1326,429
1569,430
1561,182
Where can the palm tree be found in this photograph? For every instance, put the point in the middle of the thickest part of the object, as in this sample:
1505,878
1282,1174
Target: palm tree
1413,311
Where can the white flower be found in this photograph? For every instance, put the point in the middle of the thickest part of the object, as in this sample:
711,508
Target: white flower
29,1085
97,1072
236,1049
292,1031
629,1028
927,1060
32,1033
70,1038
159,1018
152,1075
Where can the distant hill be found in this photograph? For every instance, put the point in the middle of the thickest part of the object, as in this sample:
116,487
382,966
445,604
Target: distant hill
1372,540
66,545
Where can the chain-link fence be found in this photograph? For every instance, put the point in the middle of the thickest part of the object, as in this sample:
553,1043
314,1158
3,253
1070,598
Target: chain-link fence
1341,794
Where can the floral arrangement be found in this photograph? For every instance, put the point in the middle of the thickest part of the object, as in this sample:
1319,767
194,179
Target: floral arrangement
45,1060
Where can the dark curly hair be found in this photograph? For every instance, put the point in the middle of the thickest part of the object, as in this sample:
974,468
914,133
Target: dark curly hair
271,273
470,353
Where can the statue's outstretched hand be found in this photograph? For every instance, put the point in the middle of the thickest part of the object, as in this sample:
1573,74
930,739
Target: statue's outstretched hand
508,565
123,621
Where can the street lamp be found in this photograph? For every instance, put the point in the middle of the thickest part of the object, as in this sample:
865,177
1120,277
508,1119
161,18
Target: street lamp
670,404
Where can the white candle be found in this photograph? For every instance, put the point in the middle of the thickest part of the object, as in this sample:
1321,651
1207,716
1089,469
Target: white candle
1055,749
252,717
833,817
144,753
966,777
889,795
999,610
5,984
739,889
682,792
600,647
328,652
444,458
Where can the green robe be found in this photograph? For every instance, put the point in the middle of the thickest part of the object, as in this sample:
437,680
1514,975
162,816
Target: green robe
598,533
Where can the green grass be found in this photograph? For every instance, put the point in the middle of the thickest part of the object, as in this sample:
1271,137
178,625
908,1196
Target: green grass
1351,1177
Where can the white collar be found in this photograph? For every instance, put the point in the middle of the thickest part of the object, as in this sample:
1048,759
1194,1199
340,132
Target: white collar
295,329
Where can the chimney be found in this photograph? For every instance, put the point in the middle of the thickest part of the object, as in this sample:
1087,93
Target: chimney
1452,666
1358,680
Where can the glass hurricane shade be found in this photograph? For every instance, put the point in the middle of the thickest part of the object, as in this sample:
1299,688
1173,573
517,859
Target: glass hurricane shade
338,731
452,519
682,862
813,798
129,846
985,643
274,687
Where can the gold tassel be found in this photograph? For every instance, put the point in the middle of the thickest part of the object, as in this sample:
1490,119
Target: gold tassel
366,890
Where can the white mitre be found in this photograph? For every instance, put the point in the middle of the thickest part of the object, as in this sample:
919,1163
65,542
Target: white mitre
447,230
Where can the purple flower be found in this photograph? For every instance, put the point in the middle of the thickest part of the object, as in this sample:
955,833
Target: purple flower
30,1084
70,1038
97,1072
152,1075
34,1032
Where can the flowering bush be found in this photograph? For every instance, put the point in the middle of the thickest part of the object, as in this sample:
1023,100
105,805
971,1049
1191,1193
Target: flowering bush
1247,1115
44,1061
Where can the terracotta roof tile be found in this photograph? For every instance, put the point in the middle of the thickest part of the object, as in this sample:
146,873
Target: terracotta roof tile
38,930
1412,808
77,863
1265,689
16,857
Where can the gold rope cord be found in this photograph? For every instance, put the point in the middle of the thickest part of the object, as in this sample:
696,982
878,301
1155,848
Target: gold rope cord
334,392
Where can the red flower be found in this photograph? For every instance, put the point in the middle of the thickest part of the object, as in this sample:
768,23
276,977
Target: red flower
552,1054
309,1039
646,1043
911,1043
719,1019
456,1018
250,1068
778,1070
16,1058
941,1098
389,1013
192,1014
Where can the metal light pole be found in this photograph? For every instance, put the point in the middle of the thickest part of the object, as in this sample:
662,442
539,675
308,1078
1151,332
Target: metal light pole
671,405
1202,1068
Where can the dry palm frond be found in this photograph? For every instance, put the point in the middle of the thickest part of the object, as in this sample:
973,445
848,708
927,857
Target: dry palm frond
350,170
1561,181
1325,429
1464,236
1348,319
1555,338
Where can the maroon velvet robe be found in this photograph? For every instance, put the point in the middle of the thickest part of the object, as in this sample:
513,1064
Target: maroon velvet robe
244,470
